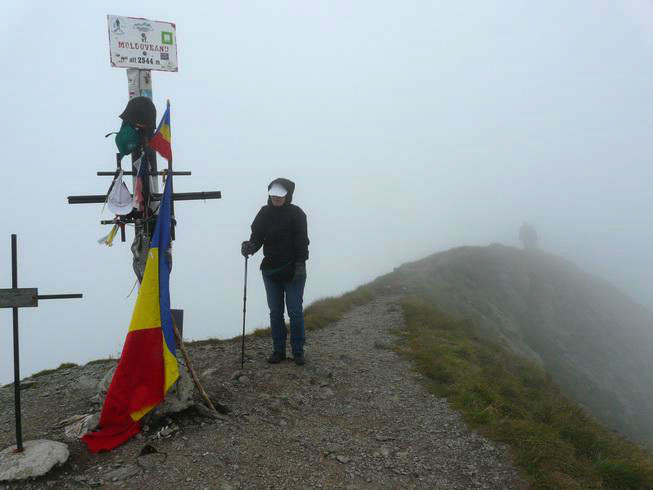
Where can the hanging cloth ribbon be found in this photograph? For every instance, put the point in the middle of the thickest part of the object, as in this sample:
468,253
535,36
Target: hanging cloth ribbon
108,239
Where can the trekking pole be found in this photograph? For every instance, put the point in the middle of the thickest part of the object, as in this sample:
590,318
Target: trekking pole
242,353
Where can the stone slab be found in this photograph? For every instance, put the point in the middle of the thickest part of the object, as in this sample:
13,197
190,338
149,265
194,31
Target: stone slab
39,457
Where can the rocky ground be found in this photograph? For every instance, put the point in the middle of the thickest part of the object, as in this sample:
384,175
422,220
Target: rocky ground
355,416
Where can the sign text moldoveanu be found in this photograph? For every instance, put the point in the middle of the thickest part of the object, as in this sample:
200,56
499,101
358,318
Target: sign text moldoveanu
142,43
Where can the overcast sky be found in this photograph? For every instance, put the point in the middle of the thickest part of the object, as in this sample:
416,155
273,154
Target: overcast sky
409,128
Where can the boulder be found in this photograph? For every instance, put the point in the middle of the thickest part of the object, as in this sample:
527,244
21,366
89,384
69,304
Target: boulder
38,457
179,397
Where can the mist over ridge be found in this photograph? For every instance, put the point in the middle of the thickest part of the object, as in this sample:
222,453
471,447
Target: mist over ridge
409,128
596,342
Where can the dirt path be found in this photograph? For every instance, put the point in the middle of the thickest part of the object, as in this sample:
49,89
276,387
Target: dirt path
355,416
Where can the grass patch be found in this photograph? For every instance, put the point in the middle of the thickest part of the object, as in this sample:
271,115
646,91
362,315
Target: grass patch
100,361
261,332
198,343
324,311
511,400
44,372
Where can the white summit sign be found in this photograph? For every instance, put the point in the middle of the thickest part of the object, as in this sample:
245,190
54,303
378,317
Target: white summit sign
142,43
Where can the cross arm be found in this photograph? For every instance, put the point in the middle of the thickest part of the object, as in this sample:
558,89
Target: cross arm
28,297
130,172
176,196
19,298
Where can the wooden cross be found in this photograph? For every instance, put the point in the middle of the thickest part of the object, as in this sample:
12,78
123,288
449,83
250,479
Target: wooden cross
142,225
168,173
15,298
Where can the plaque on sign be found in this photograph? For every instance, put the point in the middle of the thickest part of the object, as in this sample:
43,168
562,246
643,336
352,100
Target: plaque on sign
142,43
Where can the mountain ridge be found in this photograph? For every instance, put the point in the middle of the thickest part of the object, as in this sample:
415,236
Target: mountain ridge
596,343
464,310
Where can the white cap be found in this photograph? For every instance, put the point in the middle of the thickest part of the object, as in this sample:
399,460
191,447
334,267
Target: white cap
277,190
119,201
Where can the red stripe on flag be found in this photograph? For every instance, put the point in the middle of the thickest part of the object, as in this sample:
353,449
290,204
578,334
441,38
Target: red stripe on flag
161,145
137,383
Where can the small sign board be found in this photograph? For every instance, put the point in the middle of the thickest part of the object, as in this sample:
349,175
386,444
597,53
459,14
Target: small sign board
142,43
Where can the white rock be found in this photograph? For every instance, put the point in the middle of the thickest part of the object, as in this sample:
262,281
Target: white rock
122,473
209,373
326,393
39,457
86,423
85,382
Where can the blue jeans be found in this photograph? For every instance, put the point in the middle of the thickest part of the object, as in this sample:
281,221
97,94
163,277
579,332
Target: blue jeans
293,291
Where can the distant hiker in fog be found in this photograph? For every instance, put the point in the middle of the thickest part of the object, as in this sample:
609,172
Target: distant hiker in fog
280,227
528,237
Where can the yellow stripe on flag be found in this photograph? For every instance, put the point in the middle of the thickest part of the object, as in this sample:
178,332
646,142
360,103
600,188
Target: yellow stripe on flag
165,132
136,416
170,366
147,312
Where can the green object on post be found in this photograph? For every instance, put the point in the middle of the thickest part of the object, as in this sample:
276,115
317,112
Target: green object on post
127,139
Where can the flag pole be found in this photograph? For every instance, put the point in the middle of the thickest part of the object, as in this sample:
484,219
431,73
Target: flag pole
169,176
182,347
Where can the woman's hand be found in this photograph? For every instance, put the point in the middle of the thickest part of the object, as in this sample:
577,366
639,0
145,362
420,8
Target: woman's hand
247,248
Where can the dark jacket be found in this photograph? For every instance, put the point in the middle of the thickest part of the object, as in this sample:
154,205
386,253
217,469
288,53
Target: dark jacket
283,234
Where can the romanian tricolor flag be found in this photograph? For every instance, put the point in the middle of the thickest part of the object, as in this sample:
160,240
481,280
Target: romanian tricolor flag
148,366
162,139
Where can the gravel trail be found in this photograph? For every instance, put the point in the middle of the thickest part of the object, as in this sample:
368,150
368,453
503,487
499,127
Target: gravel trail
354,417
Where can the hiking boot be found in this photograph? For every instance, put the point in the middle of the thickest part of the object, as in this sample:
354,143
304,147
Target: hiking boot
277,357
299,358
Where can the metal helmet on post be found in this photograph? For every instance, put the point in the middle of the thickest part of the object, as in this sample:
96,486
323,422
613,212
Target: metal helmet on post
140,113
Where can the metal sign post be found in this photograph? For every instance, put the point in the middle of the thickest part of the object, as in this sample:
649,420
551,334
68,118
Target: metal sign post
15,298
141,45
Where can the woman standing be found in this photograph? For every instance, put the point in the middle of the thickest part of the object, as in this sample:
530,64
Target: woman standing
280,227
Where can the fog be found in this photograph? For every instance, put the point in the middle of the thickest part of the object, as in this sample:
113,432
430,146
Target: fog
408,127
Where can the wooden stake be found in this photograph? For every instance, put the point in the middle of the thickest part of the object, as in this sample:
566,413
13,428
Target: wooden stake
196,380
